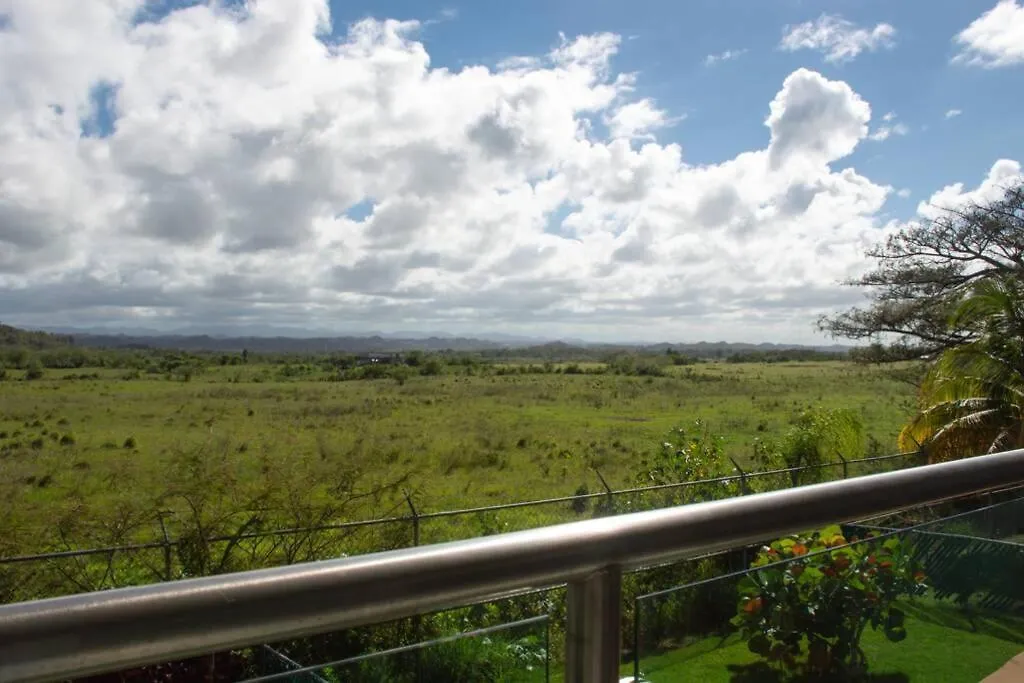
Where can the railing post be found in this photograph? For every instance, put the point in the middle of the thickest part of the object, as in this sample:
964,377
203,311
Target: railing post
592,631
846,472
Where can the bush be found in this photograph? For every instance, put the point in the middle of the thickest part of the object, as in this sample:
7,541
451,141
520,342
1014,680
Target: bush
67,440
34,370
689,456
130,442
805,617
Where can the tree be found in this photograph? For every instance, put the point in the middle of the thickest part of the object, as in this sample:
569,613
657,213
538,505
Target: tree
925,270
34,370
972,400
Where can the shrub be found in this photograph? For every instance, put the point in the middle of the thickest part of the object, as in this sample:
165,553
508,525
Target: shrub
130,442
34,370
806,616
689,456
579,502
67,440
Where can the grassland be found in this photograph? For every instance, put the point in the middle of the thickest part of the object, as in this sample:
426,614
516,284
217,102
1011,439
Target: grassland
116,442
103,458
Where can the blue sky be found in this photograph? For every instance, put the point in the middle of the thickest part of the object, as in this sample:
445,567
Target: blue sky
650,170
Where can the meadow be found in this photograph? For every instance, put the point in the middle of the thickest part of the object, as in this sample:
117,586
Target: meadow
89,457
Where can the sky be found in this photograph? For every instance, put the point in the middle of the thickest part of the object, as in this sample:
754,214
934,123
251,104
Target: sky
597,169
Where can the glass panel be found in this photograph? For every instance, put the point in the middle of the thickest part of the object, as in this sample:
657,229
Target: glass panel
956,611
510,653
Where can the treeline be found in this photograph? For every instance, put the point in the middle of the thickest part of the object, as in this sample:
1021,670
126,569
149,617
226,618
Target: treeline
33,352
31,339
786,356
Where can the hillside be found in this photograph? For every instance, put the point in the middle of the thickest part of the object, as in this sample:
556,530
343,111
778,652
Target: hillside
32,339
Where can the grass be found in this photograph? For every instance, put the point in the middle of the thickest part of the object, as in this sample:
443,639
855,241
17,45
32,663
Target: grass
943,644
89,458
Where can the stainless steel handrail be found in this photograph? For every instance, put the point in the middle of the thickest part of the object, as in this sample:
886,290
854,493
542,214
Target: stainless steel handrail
112,630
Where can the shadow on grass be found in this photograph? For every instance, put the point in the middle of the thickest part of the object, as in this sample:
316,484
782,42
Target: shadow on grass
759,672
1002,626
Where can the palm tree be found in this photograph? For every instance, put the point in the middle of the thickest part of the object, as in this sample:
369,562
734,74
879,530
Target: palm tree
972,399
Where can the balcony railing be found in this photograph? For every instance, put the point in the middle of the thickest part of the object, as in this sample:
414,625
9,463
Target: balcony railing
113,630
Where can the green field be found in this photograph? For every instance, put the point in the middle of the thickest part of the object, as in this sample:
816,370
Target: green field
92,458
454,441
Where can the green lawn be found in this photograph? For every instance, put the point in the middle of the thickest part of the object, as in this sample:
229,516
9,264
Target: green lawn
942,645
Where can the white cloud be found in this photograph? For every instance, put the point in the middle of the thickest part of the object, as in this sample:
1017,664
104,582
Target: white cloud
1004,174
725,56
889,128
953,113
259,171
994,39
815,120
903,193
838,39
638,120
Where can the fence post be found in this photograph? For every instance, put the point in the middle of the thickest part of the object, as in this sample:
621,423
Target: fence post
608,491
743,477
592,627
415,519
417,621
845,471
166,545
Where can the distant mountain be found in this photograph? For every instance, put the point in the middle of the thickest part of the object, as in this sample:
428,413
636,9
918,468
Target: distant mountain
271,339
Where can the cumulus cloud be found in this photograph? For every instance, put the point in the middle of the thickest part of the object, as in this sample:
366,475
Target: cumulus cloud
1005,173
995,39
637,119
234,164
815,120
838,39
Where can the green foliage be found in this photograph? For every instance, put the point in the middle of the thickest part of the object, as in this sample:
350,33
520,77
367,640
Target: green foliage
816,437
479,659
14,337
690,456
925,269
809,598
34,370
970,401
636,365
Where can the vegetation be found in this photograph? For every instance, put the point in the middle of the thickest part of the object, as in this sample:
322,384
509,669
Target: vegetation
949,291
972,400
944,645
277,438
925,270
806,617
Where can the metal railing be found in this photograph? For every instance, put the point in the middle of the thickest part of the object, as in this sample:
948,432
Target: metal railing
112,630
